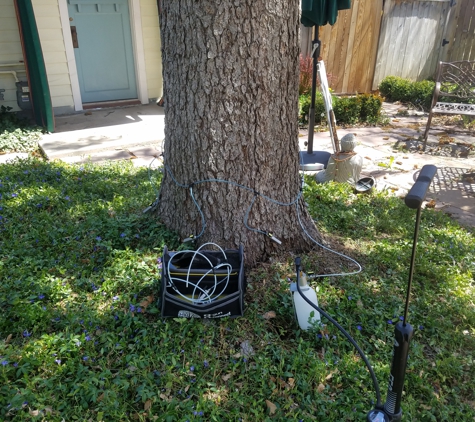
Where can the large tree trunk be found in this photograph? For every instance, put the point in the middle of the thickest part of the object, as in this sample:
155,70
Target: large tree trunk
230,71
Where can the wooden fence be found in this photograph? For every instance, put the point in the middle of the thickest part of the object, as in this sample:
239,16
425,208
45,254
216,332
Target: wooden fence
349,47
410,40
404,38
460,33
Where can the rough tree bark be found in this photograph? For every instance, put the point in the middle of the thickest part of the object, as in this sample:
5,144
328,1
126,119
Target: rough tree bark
230,72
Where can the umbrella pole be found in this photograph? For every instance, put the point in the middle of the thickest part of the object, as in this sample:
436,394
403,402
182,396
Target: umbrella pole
313,160
311,123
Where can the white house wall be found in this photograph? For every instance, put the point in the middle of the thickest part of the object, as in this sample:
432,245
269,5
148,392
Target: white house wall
152,47
10,53
51,38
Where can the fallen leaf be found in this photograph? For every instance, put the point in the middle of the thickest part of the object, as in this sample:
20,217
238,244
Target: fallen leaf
399,162
405,158
165,397
386,138
145,302
430,204
269,315
369,158
271,406
246,348
291,381
226,377
34,412
100,397
9,337
320,388
147,405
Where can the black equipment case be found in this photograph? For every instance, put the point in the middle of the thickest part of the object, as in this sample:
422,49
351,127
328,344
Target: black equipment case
218,276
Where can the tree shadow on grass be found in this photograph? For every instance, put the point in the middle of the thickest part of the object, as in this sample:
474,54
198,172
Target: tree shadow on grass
77,259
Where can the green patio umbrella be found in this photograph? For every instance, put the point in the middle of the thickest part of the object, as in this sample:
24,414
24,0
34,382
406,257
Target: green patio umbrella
321,12
318,13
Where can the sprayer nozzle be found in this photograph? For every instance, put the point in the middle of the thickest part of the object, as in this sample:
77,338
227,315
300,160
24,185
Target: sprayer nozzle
272,237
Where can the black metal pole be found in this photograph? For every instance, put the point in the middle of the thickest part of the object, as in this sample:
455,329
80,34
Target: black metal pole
411,268
311,117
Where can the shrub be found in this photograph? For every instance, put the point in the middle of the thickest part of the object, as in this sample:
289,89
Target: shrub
394,88
305,78
304,107
17,134
362,108
370,108
347,109
306,74
422,93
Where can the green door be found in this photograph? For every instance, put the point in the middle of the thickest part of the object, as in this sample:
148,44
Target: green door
102,44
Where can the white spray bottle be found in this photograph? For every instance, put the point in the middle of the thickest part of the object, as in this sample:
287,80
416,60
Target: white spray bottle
303,308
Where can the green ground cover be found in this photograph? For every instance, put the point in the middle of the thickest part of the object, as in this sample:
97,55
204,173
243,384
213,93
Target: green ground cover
81,337
17,134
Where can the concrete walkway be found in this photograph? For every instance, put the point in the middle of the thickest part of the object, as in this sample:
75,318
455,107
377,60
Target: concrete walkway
135,133
392,154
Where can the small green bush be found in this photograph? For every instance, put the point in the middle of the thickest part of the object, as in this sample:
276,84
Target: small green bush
422,93
394,88
362,108
347,109
16,134
370,108
304,108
